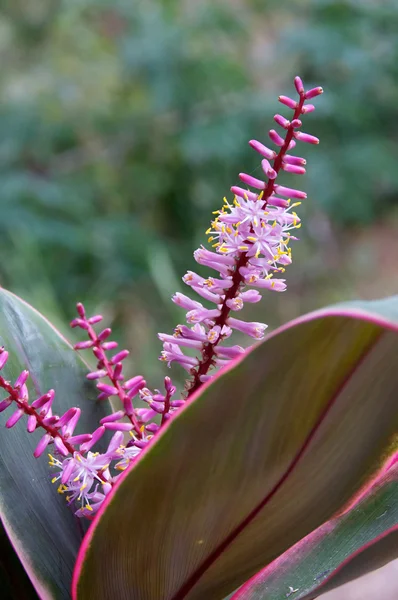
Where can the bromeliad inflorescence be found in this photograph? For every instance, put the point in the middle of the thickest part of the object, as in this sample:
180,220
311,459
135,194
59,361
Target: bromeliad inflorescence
250,238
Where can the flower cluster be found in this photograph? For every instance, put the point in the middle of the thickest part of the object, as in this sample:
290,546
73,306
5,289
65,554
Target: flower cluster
251,236
86,477
251,239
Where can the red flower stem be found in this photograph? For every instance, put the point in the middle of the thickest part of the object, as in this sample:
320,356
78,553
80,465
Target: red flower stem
208,349
28,410
166,408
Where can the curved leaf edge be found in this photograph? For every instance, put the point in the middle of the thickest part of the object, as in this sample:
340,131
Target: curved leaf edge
348,310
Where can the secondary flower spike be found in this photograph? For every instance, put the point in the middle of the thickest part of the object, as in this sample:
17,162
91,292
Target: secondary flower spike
250,238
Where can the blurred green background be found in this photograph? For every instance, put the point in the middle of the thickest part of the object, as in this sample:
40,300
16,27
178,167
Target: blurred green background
124,122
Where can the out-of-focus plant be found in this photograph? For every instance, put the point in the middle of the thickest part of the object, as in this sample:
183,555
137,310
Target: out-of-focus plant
247,462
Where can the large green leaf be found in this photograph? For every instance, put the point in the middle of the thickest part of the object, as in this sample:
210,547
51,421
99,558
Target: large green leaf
257,460
41,528
362,539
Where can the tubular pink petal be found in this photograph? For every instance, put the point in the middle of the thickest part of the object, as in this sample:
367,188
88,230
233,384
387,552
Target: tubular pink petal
14,418
42,400
80,439
263,150
21,379
118,426
60,446
42,445
298,84
314,92
276,138
238,191
280,120
98,433
109,390
268,170
3,357
252,181
293,169
288,102
306,137
206,294
105,333
4,404
95,319
113,417
289,192
84,345
294,160
307,108
109,345
96,374
122,355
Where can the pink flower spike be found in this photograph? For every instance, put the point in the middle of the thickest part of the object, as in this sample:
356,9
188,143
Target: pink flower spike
289,192
14,418
98,433
21,379
263,150
314,92
294,160
113,417
276,138
285,123
118,426
293,169
96,374
252,181
288,102
60,446
238,191
3,357
95,319
107,389
307,108
42,445
298,84
119,356
306,137
109,345
84,345
268,170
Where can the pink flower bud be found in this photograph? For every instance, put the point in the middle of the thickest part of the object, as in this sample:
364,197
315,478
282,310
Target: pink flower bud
80,310
298,84
306,137
98,433
42,445
3,357
107,389
119,356
4,404
268,170
252,181
293,169
289,192
288,102
285,123
307,108
118,426
238,191
104,334
276,138
14,418
263,150
21,380
60,446
96,374
294,160
314,92
113,417
84,345
95,319
110,345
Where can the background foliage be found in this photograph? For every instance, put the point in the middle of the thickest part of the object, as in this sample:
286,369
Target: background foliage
124,122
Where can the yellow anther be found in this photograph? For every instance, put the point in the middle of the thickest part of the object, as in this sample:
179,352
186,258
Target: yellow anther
273,284
88,507
257,253
295,204
243,248
215,245
210,239
83,487
54,479
208,231
260,196
251,238
246,197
